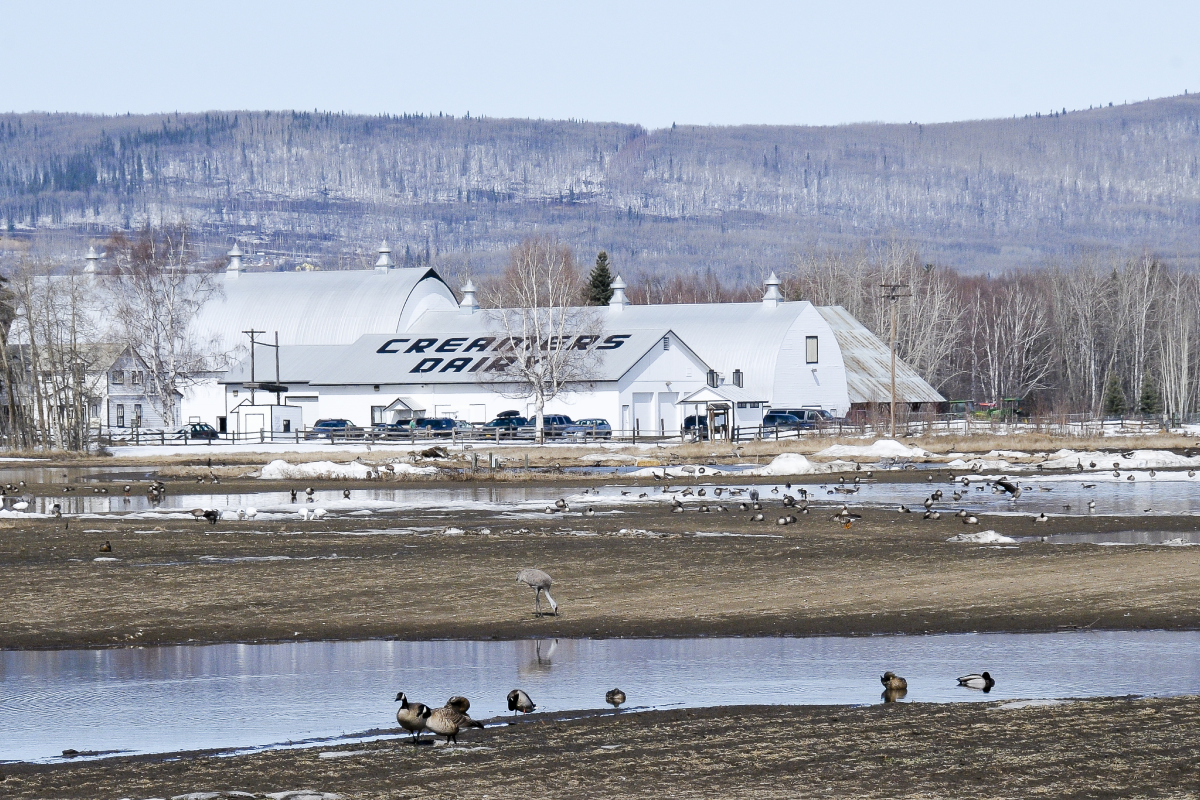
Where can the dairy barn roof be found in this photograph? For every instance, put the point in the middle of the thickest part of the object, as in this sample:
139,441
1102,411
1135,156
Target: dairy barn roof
317,308
869,364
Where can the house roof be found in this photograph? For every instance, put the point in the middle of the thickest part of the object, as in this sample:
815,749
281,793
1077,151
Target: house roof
725,393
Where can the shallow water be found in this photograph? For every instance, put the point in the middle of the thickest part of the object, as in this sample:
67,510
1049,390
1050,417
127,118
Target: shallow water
164,699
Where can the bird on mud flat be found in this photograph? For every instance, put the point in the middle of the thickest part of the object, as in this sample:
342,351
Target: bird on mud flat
412,716
459,703
970,519
346,493
212,515
540,582
106,547
589,512
293,495
757,518
977,680
903,509
891,680
1041,517
518,700
614,697
448,722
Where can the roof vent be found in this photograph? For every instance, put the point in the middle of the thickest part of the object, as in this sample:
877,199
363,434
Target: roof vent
618,300
92,257
235,263
772,297
469,304
385,258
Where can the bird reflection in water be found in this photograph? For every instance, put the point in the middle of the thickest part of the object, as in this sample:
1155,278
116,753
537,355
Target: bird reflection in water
542,657
892,695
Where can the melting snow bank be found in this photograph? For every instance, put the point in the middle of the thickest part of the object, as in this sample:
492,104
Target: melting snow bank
796,464
355,470
1139,459
883,448
982,537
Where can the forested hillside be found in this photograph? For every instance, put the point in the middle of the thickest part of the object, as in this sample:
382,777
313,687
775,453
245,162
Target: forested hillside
325,188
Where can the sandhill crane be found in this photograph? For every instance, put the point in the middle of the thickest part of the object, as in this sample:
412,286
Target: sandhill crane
539,582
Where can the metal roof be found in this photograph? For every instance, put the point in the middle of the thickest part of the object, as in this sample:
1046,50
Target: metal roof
316,308
460,354
725,392
869,364
296,363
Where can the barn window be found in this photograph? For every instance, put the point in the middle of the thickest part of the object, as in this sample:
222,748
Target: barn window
810,349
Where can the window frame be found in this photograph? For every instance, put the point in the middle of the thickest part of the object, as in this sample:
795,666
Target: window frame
812,353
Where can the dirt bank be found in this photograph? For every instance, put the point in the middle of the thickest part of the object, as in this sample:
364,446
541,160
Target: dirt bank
642,572
1095,748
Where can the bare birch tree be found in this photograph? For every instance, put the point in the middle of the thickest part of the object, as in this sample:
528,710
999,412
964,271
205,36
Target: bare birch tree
158,292
546,340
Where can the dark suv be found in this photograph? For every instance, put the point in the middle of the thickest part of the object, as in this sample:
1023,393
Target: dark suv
697,424
197,430
789,422
553,425
329,428
502,426
437,426
817,417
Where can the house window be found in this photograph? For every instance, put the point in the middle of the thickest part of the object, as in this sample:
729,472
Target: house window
737,378
120,415
137,415
136,377
287,426
118,377
714,380
376,414
810,349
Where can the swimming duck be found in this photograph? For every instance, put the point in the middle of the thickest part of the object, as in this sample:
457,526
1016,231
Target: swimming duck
412,716
518,700
981,680
614,697
891,680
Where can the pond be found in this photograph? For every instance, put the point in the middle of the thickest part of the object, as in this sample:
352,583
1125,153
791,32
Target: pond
163,699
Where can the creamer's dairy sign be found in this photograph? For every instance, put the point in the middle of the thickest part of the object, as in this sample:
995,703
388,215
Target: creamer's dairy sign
483,350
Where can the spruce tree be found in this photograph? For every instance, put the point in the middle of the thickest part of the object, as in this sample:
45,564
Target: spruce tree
1114,398
1149,403
599,286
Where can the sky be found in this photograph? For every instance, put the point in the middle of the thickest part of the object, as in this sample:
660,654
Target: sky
651,63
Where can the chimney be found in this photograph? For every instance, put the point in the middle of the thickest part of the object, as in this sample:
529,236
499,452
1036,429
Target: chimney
235,263
91,258
385,258
469,304
772,297
618,301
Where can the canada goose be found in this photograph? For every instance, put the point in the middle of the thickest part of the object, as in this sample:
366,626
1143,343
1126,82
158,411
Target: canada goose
459,703
934,515
106,547
1092,464
1191,473
589,512
1116,473
560,503
309,491
717,491
904,510
20,506
1089,486
199,479
977,681
1010,487
754,495
1041,517
1152,473
1091,504
128,488
519,701
56,510
293,495
412,716
614,697
448,722
540,582
970,519
757,518
891,680
198,513
1130,477
783,521
251,512
346,493
928,503
212,515
215,480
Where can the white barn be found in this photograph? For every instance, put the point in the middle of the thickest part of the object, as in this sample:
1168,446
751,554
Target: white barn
392,343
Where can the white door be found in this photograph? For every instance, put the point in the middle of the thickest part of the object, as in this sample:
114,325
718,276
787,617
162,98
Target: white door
254,423
626,426
668,412
643,413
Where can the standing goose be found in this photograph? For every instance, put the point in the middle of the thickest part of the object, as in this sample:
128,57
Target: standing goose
540,582
412,716
981,680
518,700
459,703
448,722
614,697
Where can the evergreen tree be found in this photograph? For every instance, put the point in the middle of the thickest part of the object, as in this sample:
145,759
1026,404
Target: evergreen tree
1149,403
1114,398
599,286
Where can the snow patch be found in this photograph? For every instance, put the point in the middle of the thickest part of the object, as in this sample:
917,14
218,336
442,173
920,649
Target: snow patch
883,448
982,537
796,464
330,470
1141,459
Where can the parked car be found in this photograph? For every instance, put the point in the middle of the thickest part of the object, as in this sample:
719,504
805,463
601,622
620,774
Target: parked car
696,424
437,426
589,428
552,425
777,422
389,430
329,428
502,426
818,417
197,430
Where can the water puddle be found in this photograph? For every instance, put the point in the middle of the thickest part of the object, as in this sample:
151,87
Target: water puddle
164,699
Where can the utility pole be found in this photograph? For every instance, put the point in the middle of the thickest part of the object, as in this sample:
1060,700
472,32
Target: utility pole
892,292
253,383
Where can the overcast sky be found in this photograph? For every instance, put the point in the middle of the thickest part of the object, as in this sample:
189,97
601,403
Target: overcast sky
646,62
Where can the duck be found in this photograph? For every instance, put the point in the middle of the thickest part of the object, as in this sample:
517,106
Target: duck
980,680
106,547
448,722
412,716
614,697
518,700
891,680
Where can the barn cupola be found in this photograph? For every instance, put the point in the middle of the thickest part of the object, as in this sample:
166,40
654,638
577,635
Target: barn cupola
772,297
618,301
235,267
469,304
91,258
384,262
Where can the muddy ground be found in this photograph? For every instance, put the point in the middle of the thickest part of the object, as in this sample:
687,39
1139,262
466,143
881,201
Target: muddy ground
644,572
1084,749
